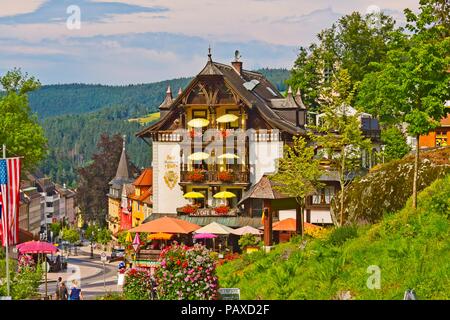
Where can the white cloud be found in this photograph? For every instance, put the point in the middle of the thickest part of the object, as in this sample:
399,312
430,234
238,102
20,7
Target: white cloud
15,7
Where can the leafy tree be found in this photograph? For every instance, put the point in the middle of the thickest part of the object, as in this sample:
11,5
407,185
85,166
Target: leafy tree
395,143
297,174
55,228
339,136
351,43
412,84
92,232
95,178
104,236
70,235
19,129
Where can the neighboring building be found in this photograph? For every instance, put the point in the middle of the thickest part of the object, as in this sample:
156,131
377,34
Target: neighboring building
49,201
23,212
142,197
126,207
115,192
66,204
241,123
34,210
439,137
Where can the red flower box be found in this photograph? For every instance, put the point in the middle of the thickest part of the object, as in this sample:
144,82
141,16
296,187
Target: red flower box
222,210
225,176
188,209
197,175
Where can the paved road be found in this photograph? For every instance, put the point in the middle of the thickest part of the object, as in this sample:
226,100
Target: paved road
89,273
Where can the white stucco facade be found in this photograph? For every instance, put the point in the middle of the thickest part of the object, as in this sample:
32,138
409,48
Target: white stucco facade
263,157
167,194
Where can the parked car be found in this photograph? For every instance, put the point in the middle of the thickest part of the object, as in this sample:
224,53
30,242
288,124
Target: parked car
117,254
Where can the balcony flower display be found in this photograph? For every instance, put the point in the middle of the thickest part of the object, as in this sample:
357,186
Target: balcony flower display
197,175
189,209
222,210
225,176
194,133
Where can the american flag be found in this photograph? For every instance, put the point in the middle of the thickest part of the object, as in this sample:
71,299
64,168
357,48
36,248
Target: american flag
9,198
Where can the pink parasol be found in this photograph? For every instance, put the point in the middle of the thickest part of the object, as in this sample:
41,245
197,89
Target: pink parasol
205,236
136,242
36,247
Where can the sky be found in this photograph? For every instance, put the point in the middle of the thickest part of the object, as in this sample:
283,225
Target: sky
122,42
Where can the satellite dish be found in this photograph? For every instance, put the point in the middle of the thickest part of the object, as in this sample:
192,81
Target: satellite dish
237,55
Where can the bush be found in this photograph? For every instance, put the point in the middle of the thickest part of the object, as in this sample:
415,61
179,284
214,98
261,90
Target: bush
137,285
112,296
342,234
248,240
186,273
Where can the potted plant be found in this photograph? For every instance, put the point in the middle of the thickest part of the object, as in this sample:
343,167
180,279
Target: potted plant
249,243
197,175
222,209
225,176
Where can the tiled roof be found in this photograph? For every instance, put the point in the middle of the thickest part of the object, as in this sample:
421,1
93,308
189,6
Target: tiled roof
145,179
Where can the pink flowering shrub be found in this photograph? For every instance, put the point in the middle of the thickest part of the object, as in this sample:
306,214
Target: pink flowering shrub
137,285
186,273
26,263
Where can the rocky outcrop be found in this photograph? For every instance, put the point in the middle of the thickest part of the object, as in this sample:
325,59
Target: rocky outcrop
387,187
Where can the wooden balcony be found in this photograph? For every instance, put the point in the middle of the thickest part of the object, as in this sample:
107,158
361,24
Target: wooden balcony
214,177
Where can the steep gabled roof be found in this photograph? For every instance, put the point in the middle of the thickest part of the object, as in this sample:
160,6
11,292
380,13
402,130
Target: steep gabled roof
145,179
122,173
252,87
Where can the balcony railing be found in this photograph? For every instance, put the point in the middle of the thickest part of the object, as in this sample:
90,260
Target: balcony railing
214,177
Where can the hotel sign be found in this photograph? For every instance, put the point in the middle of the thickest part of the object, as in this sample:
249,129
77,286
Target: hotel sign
171,176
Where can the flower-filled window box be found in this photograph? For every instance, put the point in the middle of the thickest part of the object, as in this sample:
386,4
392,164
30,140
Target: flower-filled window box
222,210
197,175
225,176
189,209
194,133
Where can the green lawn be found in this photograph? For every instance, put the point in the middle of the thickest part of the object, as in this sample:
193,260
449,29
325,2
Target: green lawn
149,118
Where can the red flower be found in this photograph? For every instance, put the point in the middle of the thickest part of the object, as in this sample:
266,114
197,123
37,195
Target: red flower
185,264
178,262
200,268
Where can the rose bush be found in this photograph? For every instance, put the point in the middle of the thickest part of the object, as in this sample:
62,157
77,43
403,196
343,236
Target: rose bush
138,285
186,273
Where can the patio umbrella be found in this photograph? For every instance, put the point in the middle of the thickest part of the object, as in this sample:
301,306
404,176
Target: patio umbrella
215,228
128,238
205,236
136,242
166,225
224,195
228,156
193,195
197,156
198,123
39,247
227,118
160,236
246,230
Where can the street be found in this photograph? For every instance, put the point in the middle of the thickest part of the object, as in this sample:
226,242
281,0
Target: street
88,273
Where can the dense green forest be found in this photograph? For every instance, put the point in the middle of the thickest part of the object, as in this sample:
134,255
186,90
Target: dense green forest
75,115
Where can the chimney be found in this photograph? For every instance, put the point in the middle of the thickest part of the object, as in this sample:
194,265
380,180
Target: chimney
237,65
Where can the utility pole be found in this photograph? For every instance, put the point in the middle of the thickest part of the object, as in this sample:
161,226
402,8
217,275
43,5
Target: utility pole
8,291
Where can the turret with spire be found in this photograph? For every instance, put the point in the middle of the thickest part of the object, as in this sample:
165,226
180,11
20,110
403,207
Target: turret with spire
122,174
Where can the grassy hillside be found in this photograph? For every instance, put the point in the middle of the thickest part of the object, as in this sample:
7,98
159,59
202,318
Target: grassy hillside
411,248
146,119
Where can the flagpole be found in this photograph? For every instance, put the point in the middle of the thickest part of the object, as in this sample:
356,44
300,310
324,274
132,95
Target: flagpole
6,241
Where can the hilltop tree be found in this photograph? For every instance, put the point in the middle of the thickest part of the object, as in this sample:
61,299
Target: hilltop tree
411,86
298,174
19,129
339,137
351,43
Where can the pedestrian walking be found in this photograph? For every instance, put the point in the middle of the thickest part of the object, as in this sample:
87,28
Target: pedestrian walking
63,293
75,292
58,283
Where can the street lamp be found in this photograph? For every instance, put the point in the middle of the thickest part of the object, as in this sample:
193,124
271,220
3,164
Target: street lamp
92,244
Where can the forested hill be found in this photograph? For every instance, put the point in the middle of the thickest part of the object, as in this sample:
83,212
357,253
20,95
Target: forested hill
62,99
75,115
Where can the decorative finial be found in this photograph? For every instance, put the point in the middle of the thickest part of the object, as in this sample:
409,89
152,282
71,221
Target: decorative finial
298,94
123,143
169,91
209,53
290,90
180,91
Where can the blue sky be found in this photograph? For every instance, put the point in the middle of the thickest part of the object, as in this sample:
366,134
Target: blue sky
138,41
